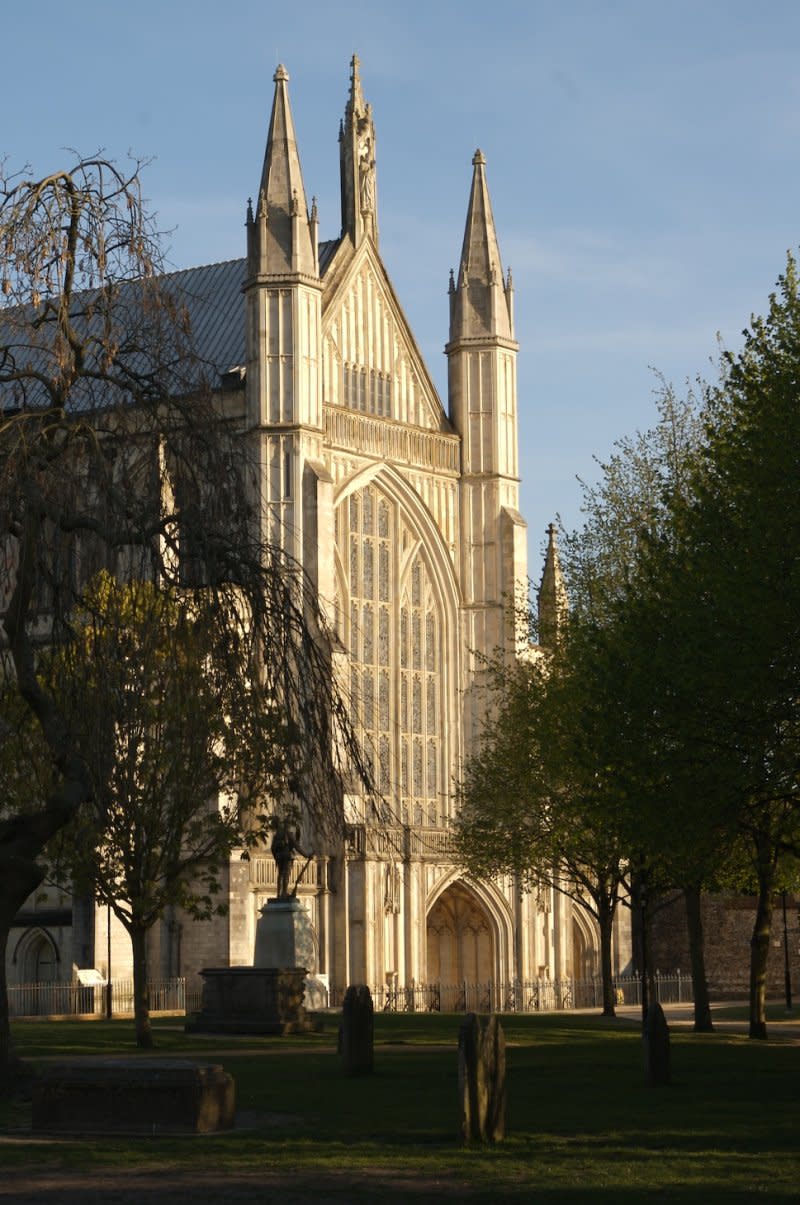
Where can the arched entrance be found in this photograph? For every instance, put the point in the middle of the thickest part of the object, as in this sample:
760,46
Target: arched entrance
36,966
39,962
459,938
584,958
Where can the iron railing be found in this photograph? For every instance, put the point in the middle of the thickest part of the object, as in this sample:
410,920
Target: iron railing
535,995
526,996
76,999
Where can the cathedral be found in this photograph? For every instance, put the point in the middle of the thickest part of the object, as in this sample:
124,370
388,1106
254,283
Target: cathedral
404,512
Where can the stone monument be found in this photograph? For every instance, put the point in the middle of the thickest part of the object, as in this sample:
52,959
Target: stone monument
134,1096
268,996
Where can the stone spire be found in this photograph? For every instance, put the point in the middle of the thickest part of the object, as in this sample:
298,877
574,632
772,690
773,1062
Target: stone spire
552,599
480,305
357,159
280,239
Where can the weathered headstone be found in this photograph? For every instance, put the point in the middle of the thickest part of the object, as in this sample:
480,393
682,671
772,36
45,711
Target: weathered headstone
656,1046
482,1079
357,1030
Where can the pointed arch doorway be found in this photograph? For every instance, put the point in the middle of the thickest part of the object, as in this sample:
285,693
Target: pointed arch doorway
460,938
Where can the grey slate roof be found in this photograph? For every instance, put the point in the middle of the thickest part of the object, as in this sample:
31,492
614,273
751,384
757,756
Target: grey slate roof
212,298
327,251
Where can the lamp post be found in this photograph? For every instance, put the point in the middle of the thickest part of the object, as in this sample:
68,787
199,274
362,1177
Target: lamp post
643,928
787,974
109,1001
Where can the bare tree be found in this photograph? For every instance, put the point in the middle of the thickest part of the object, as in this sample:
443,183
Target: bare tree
116,455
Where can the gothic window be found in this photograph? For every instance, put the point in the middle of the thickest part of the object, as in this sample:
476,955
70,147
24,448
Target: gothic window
395,641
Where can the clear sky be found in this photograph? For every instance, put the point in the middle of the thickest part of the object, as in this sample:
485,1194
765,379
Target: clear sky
642,158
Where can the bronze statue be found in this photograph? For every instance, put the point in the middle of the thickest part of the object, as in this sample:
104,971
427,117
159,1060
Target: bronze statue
285,844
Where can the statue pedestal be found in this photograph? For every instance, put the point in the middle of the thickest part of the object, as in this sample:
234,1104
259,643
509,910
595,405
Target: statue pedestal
251,1000
284,937
268,996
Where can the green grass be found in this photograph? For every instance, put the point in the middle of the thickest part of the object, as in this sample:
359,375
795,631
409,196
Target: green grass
582,1124
740,1012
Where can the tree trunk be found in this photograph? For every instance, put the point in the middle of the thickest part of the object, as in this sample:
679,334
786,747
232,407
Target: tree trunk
6,1049
605,916
759,952
141,1001
694,925
18,878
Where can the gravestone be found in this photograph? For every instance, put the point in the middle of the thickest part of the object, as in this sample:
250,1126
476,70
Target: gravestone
656,1046
134,1096
357,1031
482,1079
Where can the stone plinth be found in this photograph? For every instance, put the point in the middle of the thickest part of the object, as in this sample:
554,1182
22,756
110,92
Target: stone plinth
251,1000
141,1096
284,937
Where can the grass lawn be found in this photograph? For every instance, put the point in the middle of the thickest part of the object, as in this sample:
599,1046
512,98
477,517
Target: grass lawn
583,1127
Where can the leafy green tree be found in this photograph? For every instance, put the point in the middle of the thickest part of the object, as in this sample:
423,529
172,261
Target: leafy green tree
725,596
178,738
575,799
115,454
534,802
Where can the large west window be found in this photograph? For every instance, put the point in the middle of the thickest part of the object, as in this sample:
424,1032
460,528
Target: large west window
390,620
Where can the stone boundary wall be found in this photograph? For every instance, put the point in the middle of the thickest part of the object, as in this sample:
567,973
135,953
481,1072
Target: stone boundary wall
728,926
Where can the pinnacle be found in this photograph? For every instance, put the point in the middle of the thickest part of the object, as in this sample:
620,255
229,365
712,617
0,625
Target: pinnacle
280,74
482,307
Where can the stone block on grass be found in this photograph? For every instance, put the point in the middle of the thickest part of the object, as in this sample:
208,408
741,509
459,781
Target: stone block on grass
134,1096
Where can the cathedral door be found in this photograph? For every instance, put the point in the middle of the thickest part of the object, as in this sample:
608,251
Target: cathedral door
460,943
583,956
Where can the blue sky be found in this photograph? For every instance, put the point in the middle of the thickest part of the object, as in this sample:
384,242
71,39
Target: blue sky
642,159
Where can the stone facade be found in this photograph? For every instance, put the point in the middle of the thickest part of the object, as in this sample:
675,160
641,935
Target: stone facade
406,518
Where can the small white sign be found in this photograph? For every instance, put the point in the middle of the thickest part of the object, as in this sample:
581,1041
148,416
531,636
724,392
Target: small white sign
89,977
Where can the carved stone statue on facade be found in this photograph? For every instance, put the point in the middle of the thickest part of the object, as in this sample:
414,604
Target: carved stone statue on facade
391,889
366,165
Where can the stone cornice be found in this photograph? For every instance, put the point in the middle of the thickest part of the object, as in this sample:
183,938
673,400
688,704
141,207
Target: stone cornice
281,280
479,342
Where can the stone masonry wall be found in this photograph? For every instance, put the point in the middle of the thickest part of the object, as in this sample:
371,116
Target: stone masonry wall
728,926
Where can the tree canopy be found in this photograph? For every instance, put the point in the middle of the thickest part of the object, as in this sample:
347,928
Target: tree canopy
117,454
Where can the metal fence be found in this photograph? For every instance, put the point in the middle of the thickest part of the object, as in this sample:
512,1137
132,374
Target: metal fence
528,996
525,996
76,999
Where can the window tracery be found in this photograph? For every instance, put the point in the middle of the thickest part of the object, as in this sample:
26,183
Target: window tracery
395,642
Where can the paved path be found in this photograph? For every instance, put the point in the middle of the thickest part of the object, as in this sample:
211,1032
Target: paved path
681,1016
